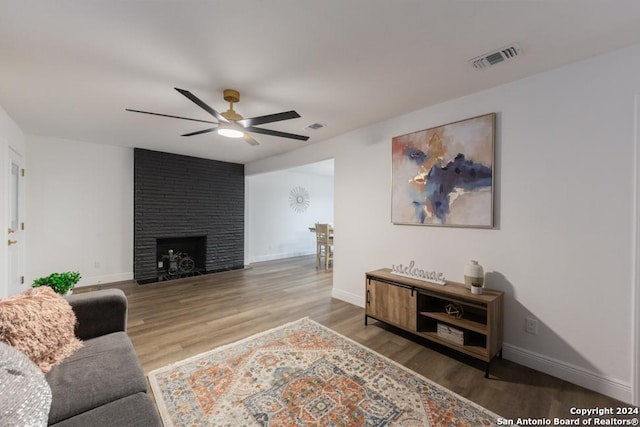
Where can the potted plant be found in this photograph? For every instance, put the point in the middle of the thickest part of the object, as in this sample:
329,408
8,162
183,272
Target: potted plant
61,283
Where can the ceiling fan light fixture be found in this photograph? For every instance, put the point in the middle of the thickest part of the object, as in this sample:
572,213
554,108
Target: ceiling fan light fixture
229,132
231,124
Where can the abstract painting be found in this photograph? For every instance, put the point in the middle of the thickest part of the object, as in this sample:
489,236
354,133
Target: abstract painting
444,175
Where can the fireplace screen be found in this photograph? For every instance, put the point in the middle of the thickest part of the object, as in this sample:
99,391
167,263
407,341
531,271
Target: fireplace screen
180,257
177,263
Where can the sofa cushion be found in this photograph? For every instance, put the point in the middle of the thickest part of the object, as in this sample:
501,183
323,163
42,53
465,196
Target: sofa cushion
41,324
25,396
104,370
132,411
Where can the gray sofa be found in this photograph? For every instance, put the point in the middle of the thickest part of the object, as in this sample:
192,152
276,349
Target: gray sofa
102,384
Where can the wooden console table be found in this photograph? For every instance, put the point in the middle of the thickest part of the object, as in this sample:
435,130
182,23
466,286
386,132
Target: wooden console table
421,308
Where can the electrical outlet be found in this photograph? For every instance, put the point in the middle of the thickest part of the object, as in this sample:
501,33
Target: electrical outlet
96,264
531,325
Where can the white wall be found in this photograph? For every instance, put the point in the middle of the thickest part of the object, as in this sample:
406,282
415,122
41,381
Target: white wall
562,250
11,137
80,207
273,229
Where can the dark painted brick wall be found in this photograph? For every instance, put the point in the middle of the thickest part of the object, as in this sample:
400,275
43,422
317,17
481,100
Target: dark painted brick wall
178,196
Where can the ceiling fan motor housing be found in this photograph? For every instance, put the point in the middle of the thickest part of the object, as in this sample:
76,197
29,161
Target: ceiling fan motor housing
231,95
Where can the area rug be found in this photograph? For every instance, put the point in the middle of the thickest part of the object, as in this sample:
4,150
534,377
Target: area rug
303,374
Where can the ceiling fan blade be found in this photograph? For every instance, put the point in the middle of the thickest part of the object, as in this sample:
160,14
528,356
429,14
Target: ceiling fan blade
201,131
167,115
250,140
277,133
202,105
270,118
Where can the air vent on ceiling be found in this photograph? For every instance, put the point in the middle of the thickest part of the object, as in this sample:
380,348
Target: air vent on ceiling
315,126
496,57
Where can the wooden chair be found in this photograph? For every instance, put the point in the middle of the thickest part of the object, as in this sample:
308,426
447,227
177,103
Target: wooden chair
324,245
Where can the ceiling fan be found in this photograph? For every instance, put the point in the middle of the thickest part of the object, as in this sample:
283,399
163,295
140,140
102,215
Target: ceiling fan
232,124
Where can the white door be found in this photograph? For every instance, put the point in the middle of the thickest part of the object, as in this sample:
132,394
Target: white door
15,228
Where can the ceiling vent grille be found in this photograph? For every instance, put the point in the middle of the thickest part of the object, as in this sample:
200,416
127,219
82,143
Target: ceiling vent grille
315,126
496,57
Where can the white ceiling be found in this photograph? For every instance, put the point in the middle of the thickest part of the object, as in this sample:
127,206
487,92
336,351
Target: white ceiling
69,68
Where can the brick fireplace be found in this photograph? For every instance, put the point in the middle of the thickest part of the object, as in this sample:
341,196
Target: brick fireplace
181,197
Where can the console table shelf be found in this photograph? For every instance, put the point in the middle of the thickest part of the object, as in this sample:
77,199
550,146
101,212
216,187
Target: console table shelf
477,351
463,323
420,308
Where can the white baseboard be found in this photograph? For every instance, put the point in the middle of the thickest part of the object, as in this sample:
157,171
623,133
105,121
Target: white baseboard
354,299
574,374
272,257
108,278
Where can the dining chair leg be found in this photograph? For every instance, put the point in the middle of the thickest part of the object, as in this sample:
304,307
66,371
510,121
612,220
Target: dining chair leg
326,257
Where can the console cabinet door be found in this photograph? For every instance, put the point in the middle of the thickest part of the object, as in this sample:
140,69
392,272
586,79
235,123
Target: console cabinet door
392,304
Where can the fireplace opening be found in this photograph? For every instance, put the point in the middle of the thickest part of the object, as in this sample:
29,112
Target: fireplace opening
179,257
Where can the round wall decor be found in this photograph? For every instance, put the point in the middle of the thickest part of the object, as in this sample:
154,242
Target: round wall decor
299,199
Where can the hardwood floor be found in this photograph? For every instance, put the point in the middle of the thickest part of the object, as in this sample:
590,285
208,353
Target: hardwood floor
173,320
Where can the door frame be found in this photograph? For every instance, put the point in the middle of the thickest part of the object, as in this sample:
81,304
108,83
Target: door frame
14,156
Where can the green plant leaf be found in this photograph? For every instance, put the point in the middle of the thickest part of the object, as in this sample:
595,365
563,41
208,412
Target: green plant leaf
59,282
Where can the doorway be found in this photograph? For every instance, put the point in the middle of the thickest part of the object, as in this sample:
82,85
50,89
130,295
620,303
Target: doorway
282,205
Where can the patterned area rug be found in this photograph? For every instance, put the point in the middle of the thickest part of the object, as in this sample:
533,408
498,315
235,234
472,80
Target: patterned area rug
303,374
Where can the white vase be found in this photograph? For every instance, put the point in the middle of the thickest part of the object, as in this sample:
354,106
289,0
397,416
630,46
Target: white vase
473,274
